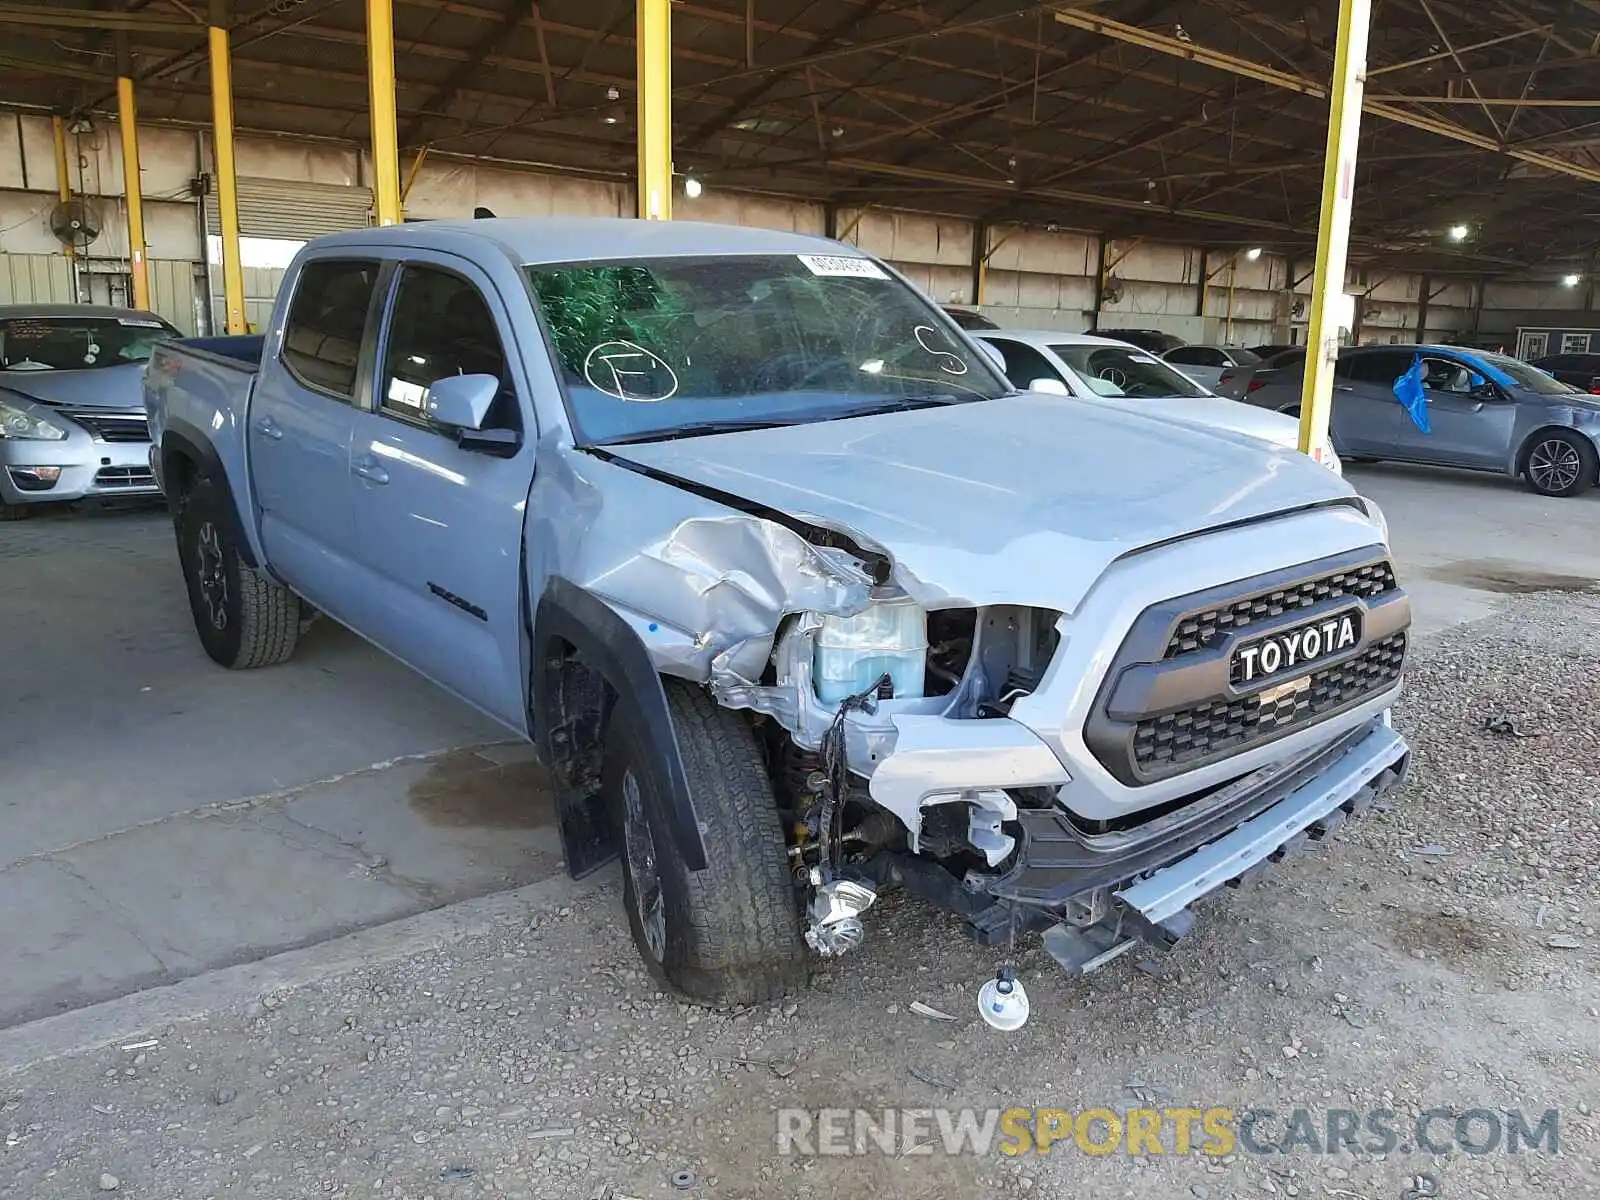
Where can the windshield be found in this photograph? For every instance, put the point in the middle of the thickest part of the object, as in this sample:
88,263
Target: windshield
1527,377
1124,371
663,347
78,343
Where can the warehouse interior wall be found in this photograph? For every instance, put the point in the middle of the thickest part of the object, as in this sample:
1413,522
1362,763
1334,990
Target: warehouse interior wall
1042,278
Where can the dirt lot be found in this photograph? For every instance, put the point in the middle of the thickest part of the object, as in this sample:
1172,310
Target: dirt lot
1438,956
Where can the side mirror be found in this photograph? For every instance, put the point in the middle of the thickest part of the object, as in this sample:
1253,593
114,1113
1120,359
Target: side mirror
461,400
1050,387
992,352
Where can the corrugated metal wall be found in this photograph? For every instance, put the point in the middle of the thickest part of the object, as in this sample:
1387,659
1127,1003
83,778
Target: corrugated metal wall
35,279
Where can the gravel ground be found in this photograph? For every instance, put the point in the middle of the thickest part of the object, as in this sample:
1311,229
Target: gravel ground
1441,954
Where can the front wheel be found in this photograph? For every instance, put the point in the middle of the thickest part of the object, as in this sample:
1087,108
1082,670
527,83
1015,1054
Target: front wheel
1560,463
244,619
728,934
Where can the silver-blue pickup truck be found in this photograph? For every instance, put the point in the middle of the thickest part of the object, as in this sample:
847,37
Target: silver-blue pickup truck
797,596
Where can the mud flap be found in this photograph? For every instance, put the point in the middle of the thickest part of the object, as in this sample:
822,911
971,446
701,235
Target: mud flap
587,840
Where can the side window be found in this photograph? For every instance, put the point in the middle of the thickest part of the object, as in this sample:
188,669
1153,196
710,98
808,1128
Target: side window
1445,375
441,326
1378,368
1574,343
1189,356
1024,364
327,319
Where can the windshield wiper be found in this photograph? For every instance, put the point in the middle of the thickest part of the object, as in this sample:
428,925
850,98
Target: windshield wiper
703,429
896,404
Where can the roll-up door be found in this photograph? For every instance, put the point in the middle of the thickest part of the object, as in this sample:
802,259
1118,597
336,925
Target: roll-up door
283,208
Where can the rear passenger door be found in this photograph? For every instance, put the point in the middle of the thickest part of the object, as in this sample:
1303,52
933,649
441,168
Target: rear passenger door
439,525
1367,417
315,373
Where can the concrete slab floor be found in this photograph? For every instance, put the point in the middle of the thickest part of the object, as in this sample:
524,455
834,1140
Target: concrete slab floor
161,817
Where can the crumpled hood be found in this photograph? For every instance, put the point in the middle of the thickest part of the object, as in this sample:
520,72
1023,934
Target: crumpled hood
118,387
1022,500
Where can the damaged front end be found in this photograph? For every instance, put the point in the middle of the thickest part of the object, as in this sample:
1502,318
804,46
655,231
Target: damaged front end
932,735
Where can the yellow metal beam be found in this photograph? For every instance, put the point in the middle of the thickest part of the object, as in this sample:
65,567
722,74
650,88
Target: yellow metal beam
1333,227
227,180
1222,61
653,39
63,177
385,136
411,175
132,191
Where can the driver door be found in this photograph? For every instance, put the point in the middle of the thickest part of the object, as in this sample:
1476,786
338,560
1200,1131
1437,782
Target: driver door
438,526
1472,425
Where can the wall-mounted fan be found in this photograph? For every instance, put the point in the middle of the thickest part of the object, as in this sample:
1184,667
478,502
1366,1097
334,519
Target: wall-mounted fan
1297,310
1112,292
75,223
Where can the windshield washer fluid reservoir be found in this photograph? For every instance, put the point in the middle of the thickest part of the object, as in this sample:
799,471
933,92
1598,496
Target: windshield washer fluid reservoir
890,637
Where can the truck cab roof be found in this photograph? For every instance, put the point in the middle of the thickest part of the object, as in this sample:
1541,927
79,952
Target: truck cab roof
529,240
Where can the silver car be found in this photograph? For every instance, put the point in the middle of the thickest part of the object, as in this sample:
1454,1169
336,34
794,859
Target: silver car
1485,412
1098,368
1205,364
72,421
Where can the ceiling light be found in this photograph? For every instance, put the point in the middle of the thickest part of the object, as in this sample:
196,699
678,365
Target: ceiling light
1571,280
1253,253
692,187
613,94
1458,233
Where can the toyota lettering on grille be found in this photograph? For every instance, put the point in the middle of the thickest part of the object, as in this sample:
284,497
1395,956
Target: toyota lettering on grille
1303,645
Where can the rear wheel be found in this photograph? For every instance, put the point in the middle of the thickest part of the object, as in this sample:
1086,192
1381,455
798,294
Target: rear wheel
243,618
728,934
1560,463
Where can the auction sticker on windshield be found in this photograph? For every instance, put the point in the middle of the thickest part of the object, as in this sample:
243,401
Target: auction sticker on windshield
844,266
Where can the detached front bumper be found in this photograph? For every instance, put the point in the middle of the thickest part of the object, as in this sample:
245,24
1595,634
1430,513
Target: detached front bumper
77,468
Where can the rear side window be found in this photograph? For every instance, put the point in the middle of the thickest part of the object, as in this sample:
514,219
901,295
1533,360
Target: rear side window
1024,364
442,326
1384,367
327,320
1197,356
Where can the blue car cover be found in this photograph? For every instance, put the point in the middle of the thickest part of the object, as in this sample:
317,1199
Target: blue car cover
1413,397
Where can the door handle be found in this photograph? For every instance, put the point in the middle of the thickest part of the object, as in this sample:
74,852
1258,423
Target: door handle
267,427
369,469
1343,387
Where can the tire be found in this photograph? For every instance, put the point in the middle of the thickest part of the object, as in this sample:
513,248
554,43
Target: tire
14,512
1559,463
243,618
729,934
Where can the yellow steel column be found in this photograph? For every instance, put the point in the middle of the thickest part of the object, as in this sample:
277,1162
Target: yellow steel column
132,189
227,177
380,89
64,179
1333,229
653,38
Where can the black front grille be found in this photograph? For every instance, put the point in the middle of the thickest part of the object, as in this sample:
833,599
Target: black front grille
1202,630
128,477
113,427
1193,736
